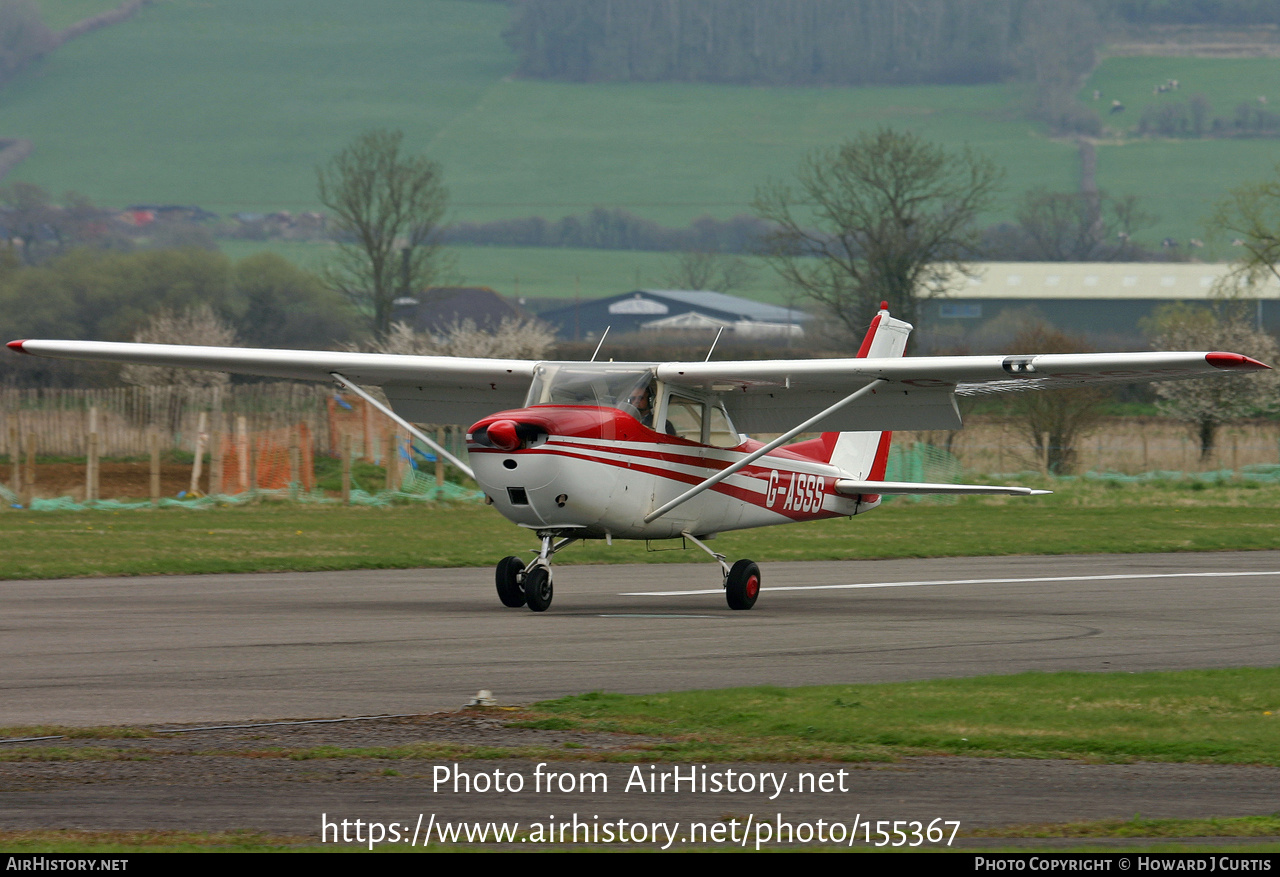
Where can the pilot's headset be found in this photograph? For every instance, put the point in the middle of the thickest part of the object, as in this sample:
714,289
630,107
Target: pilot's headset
642,389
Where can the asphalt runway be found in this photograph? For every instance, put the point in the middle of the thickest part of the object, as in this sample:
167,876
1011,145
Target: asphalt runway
239,647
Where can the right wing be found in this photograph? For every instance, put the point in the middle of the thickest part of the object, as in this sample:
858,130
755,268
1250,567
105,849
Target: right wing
774,395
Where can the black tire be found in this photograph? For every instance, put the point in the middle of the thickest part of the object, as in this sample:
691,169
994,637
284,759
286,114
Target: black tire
742,587
537,588
508,578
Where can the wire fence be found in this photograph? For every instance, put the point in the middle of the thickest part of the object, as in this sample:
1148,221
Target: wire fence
246,443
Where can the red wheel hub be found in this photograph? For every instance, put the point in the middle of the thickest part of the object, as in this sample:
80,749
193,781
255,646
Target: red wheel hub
753,587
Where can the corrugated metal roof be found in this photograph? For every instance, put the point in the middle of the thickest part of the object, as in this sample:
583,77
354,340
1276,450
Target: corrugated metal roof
745,308
1097,280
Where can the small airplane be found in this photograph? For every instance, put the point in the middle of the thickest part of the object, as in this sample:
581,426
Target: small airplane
645,450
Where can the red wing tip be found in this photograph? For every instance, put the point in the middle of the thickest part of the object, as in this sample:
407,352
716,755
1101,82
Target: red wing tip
16,346
1233,360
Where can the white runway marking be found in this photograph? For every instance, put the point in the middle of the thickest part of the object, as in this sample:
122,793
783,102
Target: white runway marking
656,614
1157,575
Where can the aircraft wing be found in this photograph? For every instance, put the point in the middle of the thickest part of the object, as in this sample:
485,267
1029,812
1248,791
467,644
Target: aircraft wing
423,389
772,396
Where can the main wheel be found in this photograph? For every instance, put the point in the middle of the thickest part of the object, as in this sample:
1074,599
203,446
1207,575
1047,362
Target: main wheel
537,588
508,577
743,585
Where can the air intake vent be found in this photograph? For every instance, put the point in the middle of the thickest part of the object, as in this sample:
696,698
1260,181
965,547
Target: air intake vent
518,496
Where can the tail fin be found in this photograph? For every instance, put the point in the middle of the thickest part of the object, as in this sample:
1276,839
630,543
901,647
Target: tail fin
864,455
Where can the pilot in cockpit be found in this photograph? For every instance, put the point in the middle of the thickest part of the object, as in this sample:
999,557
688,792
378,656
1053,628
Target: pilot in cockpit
641,399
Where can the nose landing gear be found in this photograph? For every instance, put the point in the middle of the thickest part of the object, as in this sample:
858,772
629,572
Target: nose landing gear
530,586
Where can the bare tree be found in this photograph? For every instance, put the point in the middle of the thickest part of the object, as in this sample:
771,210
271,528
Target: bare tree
1250,216
886,216
193,325
512,339
1054,423
704,269
387,208
1080,226
1207,405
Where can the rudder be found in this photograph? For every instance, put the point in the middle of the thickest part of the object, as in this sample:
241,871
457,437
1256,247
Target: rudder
864,455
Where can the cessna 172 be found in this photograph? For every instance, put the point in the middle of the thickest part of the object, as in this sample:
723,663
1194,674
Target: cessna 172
596,450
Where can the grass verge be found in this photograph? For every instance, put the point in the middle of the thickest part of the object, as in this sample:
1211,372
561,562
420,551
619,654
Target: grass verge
1203,716
1081,518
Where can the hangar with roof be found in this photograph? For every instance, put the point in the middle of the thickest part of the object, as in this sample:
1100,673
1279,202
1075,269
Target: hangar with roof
675,310
1101,299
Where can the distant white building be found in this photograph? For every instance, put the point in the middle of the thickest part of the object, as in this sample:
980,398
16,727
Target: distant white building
1102,299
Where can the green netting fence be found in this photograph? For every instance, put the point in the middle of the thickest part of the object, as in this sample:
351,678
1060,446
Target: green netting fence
416,486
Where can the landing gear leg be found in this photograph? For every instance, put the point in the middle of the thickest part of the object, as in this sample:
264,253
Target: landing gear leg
741,581
536,580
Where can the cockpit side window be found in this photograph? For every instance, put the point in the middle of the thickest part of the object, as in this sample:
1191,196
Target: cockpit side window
701,421
685,415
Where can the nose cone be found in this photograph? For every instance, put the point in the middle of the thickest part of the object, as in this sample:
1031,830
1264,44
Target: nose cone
504,435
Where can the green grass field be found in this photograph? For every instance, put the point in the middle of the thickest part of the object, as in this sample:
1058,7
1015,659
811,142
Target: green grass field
1181,180
1132,80
1210,716
231,105
1079,519
537,272
58,14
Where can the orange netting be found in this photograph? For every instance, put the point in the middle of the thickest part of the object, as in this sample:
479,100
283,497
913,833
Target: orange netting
265,460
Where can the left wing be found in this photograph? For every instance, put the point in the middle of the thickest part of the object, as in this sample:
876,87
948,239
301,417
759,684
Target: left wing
771,396
424,389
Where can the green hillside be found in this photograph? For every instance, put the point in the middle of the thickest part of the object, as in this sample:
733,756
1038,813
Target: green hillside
61,13
540,272
231,104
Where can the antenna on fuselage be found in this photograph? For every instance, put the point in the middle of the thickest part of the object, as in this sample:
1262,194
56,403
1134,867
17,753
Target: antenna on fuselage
601,344
713,344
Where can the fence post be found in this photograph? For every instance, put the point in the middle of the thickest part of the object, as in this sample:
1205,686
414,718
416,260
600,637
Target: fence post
202,436
153,439
439,464
295,463
92,482
346,468
29,477
242,453
216,446
391,460
15,461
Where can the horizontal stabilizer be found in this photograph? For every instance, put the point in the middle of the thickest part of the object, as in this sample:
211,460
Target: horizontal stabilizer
893,488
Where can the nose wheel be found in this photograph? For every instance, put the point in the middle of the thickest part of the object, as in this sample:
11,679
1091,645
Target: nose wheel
509,573
530,586
537,588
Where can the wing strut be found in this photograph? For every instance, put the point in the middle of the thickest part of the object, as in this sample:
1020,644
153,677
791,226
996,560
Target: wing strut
760,452
413,430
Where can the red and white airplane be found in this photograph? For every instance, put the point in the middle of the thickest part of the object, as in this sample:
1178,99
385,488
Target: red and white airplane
595,450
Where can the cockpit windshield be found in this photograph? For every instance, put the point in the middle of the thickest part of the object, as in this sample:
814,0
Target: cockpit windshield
599,385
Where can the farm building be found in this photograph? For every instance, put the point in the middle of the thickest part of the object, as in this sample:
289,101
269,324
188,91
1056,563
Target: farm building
439,308
1105,301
